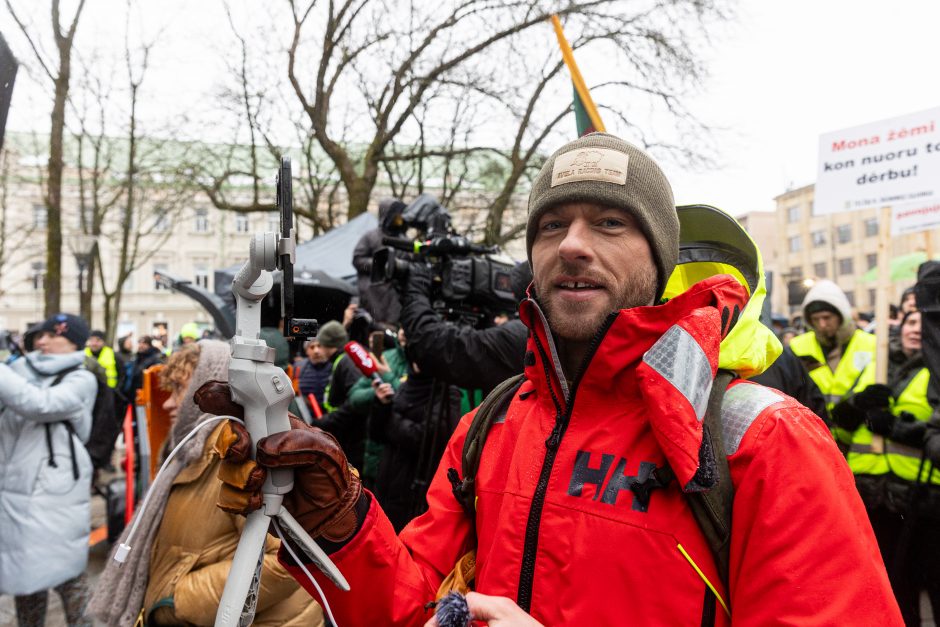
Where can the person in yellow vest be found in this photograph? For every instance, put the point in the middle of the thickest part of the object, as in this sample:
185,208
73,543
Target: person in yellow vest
904,503
97,349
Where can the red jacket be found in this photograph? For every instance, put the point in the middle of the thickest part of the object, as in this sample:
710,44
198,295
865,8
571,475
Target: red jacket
558,528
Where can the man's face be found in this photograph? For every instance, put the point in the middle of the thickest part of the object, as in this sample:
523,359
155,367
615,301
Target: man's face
825,324
587,261
315,353
95,343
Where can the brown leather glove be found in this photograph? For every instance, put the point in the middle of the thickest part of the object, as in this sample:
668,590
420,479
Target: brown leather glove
326,487
215,397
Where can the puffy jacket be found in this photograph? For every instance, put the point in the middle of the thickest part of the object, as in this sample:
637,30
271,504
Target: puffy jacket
193,550
558,528
44,510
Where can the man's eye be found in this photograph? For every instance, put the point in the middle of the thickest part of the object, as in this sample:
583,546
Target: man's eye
554,225
612,222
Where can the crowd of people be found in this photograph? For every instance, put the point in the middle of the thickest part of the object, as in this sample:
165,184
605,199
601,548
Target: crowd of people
635,406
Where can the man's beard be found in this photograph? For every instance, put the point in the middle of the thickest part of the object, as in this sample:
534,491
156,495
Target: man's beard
578,323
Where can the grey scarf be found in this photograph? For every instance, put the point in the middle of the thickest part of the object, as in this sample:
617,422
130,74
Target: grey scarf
119,595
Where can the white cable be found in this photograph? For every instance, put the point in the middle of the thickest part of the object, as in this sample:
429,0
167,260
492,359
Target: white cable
125,548
286,545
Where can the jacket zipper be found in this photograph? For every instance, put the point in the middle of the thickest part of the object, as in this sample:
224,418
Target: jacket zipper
527,570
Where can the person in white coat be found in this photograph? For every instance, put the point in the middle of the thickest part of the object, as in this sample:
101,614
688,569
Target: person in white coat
46,402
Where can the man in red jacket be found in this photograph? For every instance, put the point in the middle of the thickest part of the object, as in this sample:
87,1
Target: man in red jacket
574,523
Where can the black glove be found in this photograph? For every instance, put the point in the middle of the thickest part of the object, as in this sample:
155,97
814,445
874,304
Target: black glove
880,421
847,416
908,430
419,279
875,396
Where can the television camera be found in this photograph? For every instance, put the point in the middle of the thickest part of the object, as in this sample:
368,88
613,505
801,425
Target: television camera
469,285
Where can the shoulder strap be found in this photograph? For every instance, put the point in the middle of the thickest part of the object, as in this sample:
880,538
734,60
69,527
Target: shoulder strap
712,508
495,403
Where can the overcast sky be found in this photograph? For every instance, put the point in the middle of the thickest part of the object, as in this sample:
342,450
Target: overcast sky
781,75
791,71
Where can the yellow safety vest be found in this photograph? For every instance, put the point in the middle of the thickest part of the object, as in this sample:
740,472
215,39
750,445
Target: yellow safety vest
108,362
326,390
855,372
903,460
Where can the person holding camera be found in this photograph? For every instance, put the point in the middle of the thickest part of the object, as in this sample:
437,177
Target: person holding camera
379,299
462,355
585,484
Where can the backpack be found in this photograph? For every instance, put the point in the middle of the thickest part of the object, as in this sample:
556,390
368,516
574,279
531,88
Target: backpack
105,426
711,508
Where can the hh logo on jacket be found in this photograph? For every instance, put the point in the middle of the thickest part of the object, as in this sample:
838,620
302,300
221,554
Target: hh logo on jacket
639,485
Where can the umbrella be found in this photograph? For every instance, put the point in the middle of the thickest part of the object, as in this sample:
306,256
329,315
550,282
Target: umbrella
903,268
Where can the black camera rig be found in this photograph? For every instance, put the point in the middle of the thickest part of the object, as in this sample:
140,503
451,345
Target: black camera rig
469,285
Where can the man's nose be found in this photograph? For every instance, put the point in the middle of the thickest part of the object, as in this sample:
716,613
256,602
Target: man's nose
169,404
576,244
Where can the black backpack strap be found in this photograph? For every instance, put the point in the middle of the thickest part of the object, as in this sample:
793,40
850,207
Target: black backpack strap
68,424
712,508
493,406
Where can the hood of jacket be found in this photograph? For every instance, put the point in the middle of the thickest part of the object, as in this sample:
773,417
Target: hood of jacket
712,243
53,364
616,372
828,292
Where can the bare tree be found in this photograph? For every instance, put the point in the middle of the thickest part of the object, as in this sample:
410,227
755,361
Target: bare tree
58,70
393,59
131,194
15,232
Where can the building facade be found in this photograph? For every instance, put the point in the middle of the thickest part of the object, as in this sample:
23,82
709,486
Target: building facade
190,241
800,248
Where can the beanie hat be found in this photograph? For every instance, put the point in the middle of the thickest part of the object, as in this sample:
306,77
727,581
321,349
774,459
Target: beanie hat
72,328
818,306
605,170
332,335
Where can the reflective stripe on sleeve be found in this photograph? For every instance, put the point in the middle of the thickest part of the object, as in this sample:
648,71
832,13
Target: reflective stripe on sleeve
681,361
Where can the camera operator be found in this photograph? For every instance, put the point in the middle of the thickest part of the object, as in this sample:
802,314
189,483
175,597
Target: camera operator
467,357
381,300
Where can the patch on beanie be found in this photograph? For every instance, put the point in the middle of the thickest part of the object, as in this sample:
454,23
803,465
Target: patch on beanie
590,164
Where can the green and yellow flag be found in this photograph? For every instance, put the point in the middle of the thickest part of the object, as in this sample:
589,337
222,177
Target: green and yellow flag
585,112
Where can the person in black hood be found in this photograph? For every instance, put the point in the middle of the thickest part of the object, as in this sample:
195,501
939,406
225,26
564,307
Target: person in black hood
147,355
467,357
379,300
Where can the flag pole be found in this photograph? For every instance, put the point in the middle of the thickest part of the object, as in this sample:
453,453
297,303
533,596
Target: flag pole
576,78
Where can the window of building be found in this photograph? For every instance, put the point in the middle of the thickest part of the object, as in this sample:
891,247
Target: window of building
846,266
796,272
40,216
241,223
871,298
850,295
38,274
161,222
871,260
871,227
202,220
83,222
129,283
819,270
159,267
202,275
844,233
819,238
796,244
274,221
793,214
